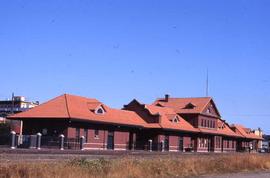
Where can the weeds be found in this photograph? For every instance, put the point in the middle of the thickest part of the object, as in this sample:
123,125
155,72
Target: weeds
131,167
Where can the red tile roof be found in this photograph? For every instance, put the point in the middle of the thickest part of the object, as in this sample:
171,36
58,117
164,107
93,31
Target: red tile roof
245,132
166,115
180,104
75,107
81,108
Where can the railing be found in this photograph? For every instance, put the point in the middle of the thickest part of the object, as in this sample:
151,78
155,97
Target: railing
4,139
38,141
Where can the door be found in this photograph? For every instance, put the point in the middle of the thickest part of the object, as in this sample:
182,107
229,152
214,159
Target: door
131,141
110,140
166,143
209,144
181,144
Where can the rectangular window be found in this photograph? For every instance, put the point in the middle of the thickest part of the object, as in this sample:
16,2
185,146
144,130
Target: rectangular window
86,135
77,134
208,123
96,133
228,144
214,124
232,144
202,122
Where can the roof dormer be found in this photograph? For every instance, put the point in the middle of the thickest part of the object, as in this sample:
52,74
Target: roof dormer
100,110
96,107
190,106
175,119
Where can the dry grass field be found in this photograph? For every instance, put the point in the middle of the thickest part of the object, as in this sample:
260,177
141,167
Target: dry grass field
165,166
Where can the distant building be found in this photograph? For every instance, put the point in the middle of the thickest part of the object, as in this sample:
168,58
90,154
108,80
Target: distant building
259,133
266,142
12,106
15,105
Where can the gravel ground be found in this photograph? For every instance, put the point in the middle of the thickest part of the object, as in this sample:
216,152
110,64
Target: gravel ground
241,175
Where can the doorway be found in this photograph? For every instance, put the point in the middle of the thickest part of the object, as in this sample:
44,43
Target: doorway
166,143
110,140
181,144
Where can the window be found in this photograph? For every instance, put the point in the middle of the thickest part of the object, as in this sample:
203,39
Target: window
96,134
228,144
214,124
232,144
218,142
208,123
86,135
175,119
202,122
77,134
208,110
100,111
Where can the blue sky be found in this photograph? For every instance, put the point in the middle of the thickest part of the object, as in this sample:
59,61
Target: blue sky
118,50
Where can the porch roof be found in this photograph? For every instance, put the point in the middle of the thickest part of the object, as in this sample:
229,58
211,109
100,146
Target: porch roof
75,107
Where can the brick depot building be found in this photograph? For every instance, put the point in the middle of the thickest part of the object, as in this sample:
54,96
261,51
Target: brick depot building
170,124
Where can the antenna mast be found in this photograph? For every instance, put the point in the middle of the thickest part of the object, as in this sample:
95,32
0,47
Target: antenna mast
207,82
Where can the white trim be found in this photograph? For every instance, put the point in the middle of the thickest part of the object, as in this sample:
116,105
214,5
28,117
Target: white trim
95,148
120,144
95,144
202,151
120,149
174,146
173,150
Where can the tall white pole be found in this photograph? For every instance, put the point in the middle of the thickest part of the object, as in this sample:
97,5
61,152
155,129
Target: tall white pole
207,82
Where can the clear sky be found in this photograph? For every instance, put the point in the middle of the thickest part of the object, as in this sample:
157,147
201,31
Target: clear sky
117,50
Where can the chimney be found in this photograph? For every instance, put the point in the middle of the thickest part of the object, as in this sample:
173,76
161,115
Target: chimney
167,97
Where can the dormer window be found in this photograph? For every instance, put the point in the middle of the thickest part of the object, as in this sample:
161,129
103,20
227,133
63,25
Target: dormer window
190,106
99,110
176,119
208,111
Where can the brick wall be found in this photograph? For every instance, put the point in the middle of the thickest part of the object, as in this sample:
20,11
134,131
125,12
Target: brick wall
121,140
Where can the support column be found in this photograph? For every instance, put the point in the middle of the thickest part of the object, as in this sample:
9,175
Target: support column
162,146
82,141
61,142
13,140
134,141
150,143
39,140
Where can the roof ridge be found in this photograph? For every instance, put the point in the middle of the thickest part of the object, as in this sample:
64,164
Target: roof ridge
65,95
206,104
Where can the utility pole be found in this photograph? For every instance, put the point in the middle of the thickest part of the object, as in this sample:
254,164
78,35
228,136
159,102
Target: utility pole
207,82
12,105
